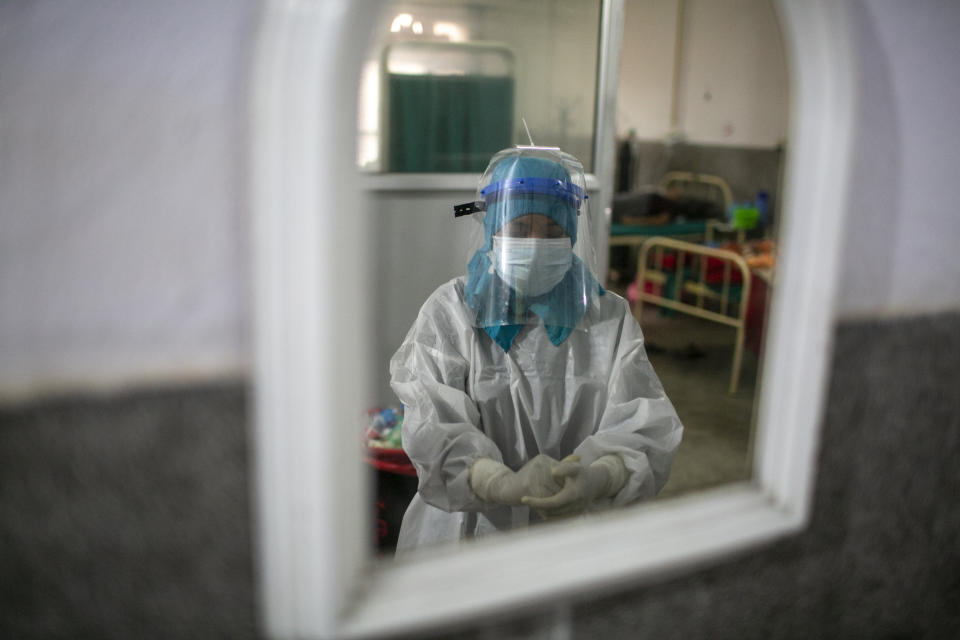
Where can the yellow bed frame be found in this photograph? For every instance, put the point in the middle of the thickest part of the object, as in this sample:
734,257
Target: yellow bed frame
693,282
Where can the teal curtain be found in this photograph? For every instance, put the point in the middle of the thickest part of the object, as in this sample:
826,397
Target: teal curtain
447,123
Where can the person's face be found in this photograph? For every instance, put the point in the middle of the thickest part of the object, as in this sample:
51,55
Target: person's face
532,225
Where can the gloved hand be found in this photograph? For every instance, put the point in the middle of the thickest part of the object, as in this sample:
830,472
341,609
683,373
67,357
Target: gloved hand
494,482
581,485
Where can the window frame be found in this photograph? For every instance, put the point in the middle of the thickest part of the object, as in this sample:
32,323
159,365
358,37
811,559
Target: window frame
316,574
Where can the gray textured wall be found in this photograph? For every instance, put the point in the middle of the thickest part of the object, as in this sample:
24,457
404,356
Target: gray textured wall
127,516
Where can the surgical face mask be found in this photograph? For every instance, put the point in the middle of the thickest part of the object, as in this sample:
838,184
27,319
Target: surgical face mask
532,266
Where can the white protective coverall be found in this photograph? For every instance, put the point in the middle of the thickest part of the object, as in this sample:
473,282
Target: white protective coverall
466,398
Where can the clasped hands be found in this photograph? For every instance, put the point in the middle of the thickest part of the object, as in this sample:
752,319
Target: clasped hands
553,488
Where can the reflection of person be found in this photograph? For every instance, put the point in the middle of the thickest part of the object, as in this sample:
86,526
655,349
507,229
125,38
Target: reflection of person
526,387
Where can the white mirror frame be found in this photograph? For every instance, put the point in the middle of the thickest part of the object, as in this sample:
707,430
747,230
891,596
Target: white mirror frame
315,569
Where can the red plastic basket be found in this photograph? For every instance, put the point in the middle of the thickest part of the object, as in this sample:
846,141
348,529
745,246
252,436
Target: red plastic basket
390,460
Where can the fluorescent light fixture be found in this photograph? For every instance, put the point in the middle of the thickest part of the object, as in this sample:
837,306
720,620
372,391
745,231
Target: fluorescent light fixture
403,20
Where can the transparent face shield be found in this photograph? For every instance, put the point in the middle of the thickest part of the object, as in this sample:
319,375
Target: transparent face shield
532,257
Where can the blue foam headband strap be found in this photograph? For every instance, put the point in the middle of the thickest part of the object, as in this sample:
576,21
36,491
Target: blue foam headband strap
541,186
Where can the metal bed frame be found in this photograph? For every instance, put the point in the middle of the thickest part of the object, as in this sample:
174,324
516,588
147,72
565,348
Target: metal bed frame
693,283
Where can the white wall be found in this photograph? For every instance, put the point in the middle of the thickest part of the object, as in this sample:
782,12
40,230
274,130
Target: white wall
554,48
419,245
903,229
732,86
558,105
646,68
123,202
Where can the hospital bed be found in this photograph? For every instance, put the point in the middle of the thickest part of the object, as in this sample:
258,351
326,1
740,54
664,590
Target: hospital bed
679,186
706,282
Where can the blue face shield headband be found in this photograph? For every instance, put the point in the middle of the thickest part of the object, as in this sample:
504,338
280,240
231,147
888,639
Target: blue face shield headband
521,186
550,187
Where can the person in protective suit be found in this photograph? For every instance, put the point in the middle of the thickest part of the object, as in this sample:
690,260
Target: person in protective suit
526,388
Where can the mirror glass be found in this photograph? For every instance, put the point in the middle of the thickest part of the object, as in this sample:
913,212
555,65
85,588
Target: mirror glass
700,139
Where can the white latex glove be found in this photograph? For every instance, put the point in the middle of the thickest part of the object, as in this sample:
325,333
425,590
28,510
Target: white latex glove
494,482
603,478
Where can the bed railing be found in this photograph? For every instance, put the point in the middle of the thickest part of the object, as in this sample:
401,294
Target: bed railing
691,293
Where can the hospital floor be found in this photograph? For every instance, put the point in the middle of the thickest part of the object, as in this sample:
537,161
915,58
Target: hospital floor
694,359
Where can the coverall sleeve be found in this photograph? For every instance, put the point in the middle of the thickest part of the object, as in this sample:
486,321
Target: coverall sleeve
639,422
441,423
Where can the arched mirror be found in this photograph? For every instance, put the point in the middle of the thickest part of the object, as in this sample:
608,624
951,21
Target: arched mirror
315,316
